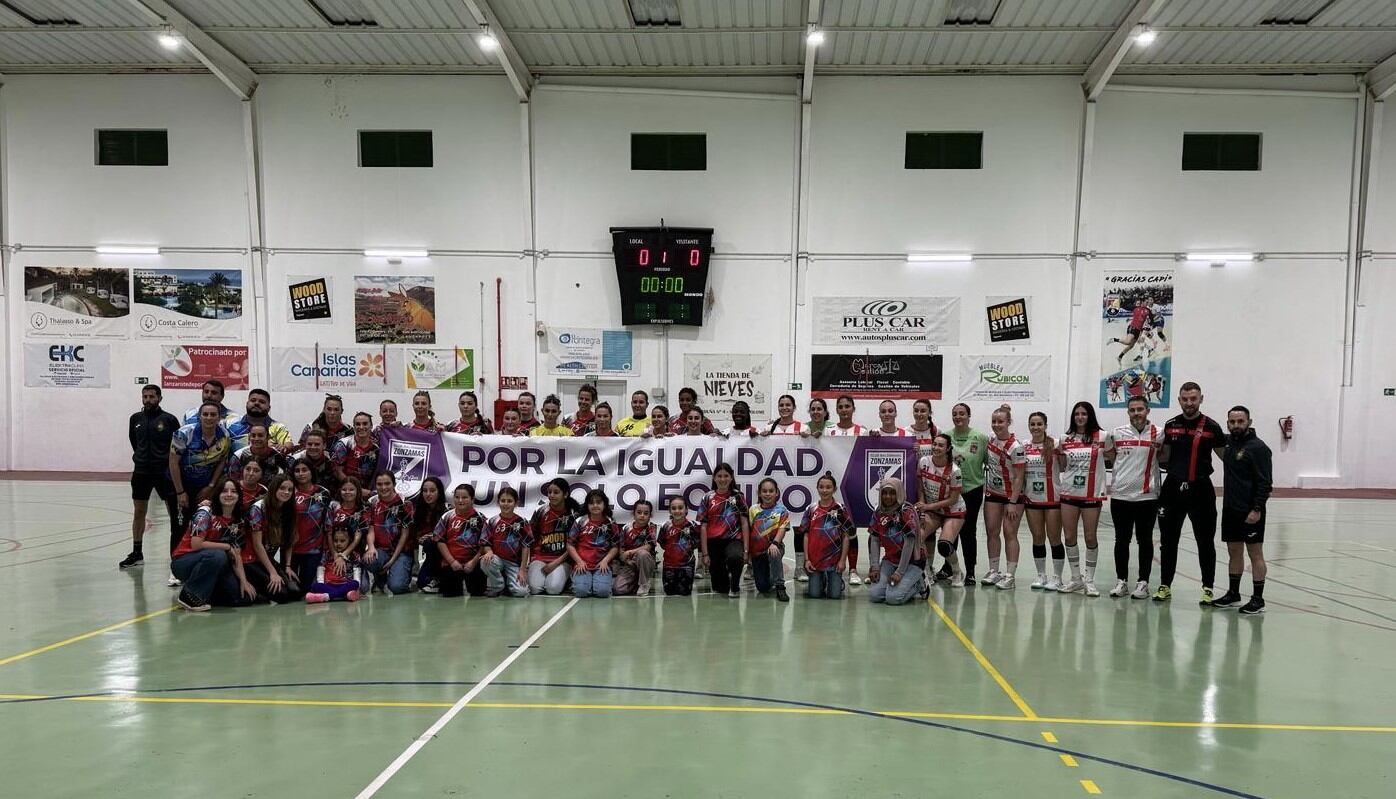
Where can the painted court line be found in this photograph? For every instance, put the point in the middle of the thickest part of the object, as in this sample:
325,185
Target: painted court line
416,746
983,661
93,634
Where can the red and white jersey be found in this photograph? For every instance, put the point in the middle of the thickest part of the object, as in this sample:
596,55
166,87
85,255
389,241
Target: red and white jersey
1040,482
795,428
1084,475
999,460
938,481
924,438
835,430
1136,462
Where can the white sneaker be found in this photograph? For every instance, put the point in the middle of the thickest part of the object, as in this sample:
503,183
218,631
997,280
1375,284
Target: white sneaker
1073,586
853,578
1141,590
748,582
1121,588
957,579
1053,584
1091,590
992,578
801,576
1040,583
1006,583
173,582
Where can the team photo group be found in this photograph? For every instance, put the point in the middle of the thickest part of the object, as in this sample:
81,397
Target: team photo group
259,514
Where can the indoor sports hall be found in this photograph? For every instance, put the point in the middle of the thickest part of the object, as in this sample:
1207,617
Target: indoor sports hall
697,398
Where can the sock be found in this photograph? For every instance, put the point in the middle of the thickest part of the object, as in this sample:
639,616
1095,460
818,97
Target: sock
1073,556
1039,558
1258,590
1091,555
994,566
1013,567
1235,584
799,562
954,561
136,548
1058,559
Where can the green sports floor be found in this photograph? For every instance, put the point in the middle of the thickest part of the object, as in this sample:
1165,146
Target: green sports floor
106,690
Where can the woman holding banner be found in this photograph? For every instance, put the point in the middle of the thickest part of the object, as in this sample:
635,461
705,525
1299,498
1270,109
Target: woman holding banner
819,423
423,417
601,417
726,531
887,415
470,423
785,424
659,423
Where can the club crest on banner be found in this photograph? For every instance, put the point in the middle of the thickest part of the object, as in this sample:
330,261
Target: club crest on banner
408,463
880,464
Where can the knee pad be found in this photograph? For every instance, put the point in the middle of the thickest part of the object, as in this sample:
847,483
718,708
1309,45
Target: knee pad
1058,551
945,548
1039,550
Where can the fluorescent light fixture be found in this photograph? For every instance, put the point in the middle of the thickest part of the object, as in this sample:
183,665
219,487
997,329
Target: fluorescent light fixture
1144,35
939,258
1221,257
126,249
396,253
486,39
814,36
169,39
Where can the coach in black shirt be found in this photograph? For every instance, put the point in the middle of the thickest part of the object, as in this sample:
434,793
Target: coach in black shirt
1189,439
150,431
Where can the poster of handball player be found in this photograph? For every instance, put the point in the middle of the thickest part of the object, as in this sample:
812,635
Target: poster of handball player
1136,350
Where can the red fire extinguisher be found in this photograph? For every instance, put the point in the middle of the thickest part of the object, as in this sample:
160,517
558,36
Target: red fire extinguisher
1287,427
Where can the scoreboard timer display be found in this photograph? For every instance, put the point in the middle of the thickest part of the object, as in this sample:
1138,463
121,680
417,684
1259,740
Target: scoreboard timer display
663,274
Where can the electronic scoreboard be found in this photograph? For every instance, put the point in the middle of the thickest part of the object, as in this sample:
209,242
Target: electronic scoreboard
663,274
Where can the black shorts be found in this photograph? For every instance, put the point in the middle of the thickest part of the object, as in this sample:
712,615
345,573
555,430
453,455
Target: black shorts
1080,503
1133,331
1235,530
998,500
143,484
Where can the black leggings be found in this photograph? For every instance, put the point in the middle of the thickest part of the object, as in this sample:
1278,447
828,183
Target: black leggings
678,582
1136,519
725,565
454,583
1198,503
974,500
261,580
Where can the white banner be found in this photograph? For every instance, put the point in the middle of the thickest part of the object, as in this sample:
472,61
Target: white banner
336,368
590,351
629,469
1006,378
188,304
77,302
67,365
722,379
887,320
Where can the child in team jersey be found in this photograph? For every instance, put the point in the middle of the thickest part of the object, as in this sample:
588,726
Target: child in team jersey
678,537
634,567
827,530
338,577
508,539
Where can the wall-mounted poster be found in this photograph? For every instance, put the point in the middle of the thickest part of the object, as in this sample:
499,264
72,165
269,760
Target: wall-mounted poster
1136,350
588,351
189,304
723,379
76,302
440,368
1006,378
191,365
67,365
395,310
309,300
1006,320
887,320
876,376
333,368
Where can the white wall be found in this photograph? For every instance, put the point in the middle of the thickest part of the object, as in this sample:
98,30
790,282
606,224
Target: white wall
1268,334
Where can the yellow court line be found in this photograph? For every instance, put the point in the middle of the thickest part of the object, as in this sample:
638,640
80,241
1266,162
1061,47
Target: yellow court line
75,639
1089,786
983,661
1068,761
789,711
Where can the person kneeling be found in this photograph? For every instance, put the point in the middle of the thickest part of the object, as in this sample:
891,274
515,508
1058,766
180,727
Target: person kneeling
894,529
769,523
506,546
827,528
460,538
635,566
592,544
208,559
339,572
679,540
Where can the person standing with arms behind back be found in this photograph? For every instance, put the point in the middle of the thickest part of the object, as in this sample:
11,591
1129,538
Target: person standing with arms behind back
150,431
1246,470
1189,439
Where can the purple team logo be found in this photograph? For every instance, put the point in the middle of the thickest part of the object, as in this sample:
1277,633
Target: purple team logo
408,463
872,460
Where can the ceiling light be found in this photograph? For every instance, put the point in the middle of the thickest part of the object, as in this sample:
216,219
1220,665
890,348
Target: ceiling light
169,39
814,36
1144,35
126,249
939,258
396,253
1221,257
486,39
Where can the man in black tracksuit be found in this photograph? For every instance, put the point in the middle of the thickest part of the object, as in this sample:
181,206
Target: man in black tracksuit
150,431
1189,439
1246,467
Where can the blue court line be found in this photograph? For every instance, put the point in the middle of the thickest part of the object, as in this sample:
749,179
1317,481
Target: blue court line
682,692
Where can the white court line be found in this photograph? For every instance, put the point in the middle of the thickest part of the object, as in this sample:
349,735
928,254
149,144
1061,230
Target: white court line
416,746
